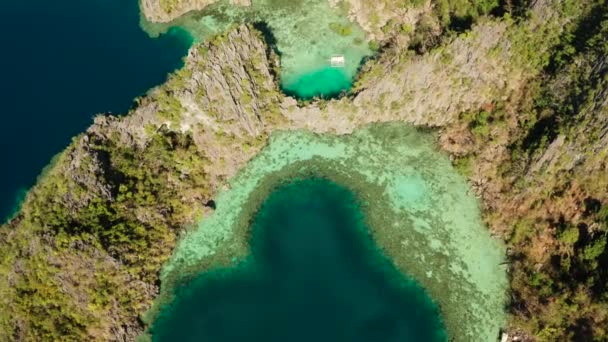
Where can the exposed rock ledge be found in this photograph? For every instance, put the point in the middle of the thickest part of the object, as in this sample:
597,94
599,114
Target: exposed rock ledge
163,11
371,18
225,101
182,142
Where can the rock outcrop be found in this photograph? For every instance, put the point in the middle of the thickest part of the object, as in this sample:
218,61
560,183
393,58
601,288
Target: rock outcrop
154,169
81,260
164,11
172,153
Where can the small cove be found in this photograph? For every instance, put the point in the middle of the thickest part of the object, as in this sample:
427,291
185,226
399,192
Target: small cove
331,82
314,274
401,181
306,34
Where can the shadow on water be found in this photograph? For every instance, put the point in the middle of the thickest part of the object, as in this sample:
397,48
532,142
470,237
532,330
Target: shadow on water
269,37
314,274
271,44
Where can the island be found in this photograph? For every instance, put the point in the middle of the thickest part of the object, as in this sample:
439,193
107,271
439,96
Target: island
491,115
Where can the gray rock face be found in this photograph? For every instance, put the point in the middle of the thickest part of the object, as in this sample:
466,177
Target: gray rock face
233,81
195,129
163,11
580,149
213,116
226,100
229,88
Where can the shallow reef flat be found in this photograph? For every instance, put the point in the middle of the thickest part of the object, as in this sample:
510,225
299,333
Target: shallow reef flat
313,274
417,207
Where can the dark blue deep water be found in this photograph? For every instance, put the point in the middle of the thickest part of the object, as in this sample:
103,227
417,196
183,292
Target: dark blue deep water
314,274
62,62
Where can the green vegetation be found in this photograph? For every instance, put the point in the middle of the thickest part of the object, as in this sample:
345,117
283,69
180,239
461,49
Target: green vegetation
569,236
341,29
135,224
557,108
479,123
461,13
559,255
87,246
168,6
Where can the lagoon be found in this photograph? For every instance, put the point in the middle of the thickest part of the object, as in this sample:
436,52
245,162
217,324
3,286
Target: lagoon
314,274
417,209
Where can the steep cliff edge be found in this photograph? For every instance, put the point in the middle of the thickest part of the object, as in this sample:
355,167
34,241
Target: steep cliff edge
81,260
163,11
540,166
383,20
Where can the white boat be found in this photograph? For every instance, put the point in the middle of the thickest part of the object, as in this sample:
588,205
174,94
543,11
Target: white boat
337,61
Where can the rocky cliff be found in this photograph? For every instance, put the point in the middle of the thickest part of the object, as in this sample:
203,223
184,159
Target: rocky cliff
163,11
524,121
81,260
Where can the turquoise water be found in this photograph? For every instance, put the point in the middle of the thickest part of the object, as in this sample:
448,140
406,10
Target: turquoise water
62,62
326,82
307,34
314,274
419,210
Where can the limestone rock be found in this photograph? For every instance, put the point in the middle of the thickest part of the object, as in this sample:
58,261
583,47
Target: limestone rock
162,11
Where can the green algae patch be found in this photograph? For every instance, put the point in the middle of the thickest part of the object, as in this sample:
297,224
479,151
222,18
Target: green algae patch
305,33
418,209
313,274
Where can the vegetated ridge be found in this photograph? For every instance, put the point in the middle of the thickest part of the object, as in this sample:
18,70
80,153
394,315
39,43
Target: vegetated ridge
517,90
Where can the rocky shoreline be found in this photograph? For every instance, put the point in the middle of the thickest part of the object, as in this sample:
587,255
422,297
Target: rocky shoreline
81,259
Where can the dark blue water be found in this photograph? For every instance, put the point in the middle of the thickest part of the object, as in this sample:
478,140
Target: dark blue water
62,62
314,275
